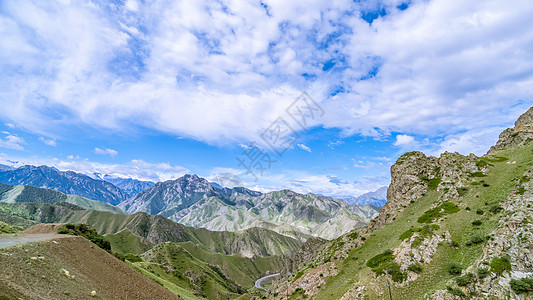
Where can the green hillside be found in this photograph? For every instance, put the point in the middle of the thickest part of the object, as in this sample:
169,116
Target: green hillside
157,229
30,194
436,243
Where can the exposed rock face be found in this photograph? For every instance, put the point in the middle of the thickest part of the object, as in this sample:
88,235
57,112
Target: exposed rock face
517,136
512,238
310,282
414,174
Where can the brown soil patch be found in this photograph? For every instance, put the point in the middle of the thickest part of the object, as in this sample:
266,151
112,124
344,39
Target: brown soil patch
41,228
37,271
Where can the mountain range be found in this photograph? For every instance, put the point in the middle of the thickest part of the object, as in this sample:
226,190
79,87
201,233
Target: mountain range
193,201
68,182
377,198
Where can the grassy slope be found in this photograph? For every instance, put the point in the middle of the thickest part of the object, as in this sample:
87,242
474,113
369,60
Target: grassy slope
501,178
242,270
127,242
183,271
6,228
30,194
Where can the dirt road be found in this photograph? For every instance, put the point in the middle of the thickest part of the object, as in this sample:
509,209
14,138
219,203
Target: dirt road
8,240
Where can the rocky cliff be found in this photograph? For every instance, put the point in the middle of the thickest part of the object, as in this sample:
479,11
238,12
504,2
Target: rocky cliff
520,134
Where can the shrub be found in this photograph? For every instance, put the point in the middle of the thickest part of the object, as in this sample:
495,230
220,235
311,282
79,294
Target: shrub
85,231
479,212
131,257
521,190
462,191
454,244
456,292
476,238
500,264
415,268
434,183
482,273
375,261
464,280
478,174
495,209
397,275
454,268
522,285
477,223
445,208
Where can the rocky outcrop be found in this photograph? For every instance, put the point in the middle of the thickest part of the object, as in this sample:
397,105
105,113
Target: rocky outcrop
308,284
414,174
513,238
519,135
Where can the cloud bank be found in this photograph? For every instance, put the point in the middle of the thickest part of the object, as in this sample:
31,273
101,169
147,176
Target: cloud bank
222,71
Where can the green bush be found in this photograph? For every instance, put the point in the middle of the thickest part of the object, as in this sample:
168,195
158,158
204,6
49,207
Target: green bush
454,268
500,264
375,261
397,275
454,244
465,279
456,292
415,268
482,273
479,211
475,239
85,231
478,174
462,191
477,223
445,208
523,285
521,190
495,209
424,231
131,257
434,183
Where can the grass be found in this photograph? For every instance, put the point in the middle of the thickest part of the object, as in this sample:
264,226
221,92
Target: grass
500,181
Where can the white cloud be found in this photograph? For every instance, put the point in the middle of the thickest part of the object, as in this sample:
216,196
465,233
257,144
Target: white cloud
10,125
108,151
476,141
304,147
403,139
220,72
48,142
12,141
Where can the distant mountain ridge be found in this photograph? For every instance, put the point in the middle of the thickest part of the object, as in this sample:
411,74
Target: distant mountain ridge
68,182
30,194
194,201
129,185
377,198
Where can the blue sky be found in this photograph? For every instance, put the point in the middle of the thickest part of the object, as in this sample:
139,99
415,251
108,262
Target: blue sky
158,89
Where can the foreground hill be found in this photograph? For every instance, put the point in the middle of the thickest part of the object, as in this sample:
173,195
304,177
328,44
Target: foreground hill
453,227
193,201
157,229
26,193
71,268
67,182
